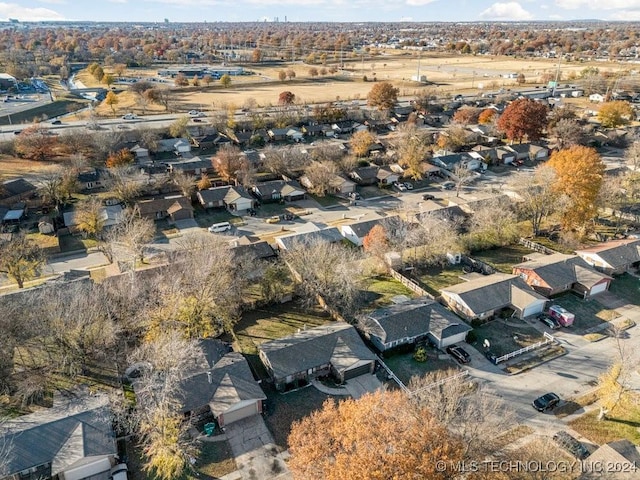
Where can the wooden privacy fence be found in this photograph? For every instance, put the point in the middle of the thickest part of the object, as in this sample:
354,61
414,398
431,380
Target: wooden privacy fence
410,284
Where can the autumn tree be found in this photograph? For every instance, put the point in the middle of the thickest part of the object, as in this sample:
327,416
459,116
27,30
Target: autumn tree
579,173
179,127
486,116
204,182
321,175
112,100
523,118
412,150
20,258
376,244
256,55
361,141
615,114
337,441
228,162
225,80
35,143
467,115
57,184
282,75
89,217
181,80
286,98
120,158
453,137
325,270
313,72
383,95
125,183
291,73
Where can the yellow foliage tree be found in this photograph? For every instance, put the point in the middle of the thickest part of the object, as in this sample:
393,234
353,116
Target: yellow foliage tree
610,390
112,101
614,114
579,174
361,141
379,436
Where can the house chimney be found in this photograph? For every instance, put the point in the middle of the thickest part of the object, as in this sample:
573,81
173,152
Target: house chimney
209,376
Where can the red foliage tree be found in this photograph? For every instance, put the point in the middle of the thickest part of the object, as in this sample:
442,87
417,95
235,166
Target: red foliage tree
523,118
120,158
286,98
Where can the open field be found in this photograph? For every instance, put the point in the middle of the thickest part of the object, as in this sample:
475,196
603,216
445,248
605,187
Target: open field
448,73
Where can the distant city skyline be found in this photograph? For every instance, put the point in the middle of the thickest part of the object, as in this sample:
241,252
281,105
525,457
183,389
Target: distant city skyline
319,10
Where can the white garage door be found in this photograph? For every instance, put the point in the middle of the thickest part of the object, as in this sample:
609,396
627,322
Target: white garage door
533,309
599,288
457,338
239,414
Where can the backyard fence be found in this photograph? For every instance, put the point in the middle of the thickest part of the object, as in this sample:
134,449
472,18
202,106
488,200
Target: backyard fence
548,339
393,376
463,373
536,246
410,284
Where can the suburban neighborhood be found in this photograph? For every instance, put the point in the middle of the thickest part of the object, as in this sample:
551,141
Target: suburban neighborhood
444,268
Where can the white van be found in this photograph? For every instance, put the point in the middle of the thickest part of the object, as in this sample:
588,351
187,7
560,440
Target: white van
220,227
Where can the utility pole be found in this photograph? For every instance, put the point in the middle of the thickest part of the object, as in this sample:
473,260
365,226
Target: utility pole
555,84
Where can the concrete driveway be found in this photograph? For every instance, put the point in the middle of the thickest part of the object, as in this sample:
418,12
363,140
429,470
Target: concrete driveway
255,451
358,386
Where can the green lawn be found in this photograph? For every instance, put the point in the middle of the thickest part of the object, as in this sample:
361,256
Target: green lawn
506,338
405,367
205,218
622,422
326,201
626,286
379,290
272,322
285,408
502,259
433,279
588,314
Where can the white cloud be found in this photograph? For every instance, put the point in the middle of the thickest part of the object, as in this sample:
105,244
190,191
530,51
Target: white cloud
599,4
506,11
118,1
628,15
54,2
12,10
406,19
419,3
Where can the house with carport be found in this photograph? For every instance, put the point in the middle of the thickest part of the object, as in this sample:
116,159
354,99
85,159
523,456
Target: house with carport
335,349
614,257
413,321
481,297
559,273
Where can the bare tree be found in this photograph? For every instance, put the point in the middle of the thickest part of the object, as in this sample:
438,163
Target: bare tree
434,237
632,156
321,176
539,200
325,270
20,258
284,160
493,223
133,233
462,176
185,182
412,150
125,183
89,217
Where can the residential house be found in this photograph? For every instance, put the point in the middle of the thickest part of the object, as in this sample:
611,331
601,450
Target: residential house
559,273
175,208
386,176
72,440
318,130
193,166
451,160
278,191
618,460
334,349
259,250
483,296
169,145
233,198
313,233
356,232
141,153
505,155
413,321
521,150
365,175
596,98
210,141
182,146
614,257
538,152
16,190
225,388
110,215
254,158
277,134
295,135
90,179
378,126
338,185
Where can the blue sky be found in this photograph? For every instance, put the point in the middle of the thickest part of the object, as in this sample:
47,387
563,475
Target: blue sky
319,10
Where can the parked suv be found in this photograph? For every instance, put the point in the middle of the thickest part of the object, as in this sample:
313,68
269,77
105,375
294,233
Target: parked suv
571,445
459,354
550,322
548,401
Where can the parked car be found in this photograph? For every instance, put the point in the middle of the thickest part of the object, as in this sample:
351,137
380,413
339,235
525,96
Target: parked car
448,185
550,322
571,445
274,219
400,186
548,401
197,120
196,113
129,116
56,122
408,185
459,354
428,196
355,196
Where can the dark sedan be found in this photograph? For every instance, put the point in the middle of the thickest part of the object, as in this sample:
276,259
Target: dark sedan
548,401
550,322
459,354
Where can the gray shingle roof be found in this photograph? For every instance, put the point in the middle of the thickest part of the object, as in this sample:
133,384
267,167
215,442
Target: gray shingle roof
618,253
213,195
331,235
559,269
78,431
414,318
362,229
15,187
231,382
338,344
492,292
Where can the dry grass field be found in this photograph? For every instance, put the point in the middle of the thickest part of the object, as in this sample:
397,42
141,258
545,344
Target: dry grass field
446,73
